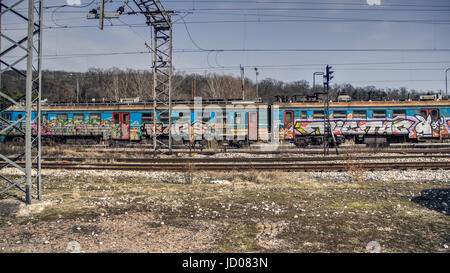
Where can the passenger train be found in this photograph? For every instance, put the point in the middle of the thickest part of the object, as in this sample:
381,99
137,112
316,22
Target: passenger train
237,122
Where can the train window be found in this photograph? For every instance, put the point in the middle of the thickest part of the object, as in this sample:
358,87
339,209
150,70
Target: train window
126,118
303,115
318,114
398,113
340,114
6,116
237,118
95,117
423,113
434,114
222,116
252,117
147,117
288,117
116,118
78,117
379,114
44,118
19,116
62,117
359,114
206,118
164,117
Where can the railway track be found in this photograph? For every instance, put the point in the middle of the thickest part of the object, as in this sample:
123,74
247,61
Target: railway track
181,147
236,159
290,151
248,165
425,159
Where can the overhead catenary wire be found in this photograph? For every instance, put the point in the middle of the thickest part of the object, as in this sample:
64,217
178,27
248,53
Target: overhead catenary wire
200,49
302,3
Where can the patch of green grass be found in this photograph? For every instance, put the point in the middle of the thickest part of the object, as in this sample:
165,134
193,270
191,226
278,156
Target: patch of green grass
239,237
55,213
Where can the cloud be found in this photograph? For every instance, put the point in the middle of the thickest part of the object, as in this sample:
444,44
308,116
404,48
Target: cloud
74,2
373,2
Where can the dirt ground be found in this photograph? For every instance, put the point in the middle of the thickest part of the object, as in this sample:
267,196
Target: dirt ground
253,211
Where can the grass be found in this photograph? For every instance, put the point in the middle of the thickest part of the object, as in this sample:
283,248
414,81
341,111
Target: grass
239,237
318,215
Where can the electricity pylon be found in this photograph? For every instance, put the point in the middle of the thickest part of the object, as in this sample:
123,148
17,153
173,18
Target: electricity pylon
161,23
26,128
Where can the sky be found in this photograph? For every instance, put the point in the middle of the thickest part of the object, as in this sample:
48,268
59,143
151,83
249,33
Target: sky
382,43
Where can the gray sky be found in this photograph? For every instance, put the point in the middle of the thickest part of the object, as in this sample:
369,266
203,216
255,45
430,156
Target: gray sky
396,43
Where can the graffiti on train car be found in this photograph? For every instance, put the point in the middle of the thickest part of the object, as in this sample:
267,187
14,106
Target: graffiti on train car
70,127
427,127
182,130
413,126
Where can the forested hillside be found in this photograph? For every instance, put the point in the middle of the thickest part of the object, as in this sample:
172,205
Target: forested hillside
114,84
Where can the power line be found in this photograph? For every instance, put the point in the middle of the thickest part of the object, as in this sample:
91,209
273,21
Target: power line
415,80
318,50
370,9
438,22
76,55
309,67
316,17
301,3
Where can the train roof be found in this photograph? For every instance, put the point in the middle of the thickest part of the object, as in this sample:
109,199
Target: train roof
367,104
123,106
148,105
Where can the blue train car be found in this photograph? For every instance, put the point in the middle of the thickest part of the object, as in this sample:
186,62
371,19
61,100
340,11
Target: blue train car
365,122
233,122
240,122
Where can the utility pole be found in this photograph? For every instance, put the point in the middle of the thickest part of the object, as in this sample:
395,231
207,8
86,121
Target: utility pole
257,73
194,85
314,79
327,126
0,48
446,83
101,15
243,81
78,91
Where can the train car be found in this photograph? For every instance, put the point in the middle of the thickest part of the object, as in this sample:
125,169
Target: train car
232,122
372,122
239,123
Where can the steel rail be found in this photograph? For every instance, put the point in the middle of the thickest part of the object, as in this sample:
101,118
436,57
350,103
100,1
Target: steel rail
331,166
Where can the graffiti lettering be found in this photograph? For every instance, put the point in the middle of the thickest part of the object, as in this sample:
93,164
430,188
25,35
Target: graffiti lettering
396,126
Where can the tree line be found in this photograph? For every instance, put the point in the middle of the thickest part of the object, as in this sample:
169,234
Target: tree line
115,84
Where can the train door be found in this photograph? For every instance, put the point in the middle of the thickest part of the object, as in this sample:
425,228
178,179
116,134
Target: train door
430,117
121,126
252,125
288,124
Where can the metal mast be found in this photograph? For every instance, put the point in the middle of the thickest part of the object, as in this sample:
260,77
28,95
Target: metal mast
159,19
327,126
12,57
326,120
161,23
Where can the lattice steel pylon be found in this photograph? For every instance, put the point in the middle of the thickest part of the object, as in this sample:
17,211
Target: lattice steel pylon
12,56
161,22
